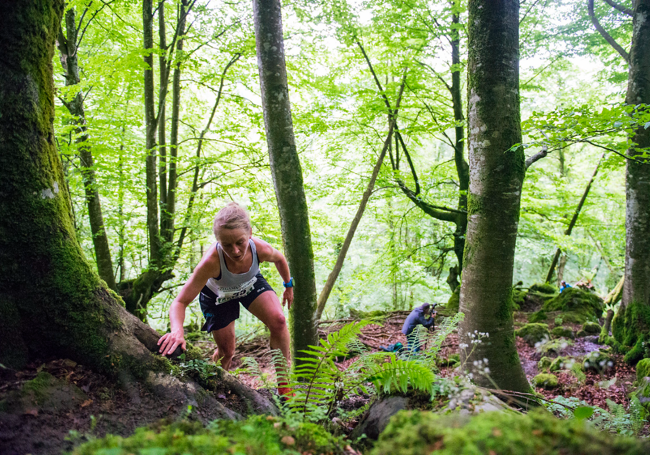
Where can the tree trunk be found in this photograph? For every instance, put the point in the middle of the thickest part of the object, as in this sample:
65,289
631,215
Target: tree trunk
52,303
574,220
286,170
631,326
162,95
68,44
497,173
150,138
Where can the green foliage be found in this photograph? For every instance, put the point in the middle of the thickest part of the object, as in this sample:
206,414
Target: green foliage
397,375
545,380
615,419
544,364
499,432
255,435
533,333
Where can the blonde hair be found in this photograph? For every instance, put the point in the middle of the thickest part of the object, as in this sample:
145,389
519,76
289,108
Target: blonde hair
232,216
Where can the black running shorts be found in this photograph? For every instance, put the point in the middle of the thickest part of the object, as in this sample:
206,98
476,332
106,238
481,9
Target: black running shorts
219,316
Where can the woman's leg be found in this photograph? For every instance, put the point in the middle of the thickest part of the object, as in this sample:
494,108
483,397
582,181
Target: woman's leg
225,339
266,307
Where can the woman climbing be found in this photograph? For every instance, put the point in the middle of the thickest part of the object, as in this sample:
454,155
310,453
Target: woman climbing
228,274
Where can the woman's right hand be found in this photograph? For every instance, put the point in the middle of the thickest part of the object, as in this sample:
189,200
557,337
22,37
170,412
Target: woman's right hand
170,341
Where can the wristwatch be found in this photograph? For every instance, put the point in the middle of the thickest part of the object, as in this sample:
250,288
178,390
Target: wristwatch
288,284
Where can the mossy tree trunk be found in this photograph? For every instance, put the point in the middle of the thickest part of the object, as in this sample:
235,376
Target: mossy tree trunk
68,44
496,176
52,303
631,326
286,170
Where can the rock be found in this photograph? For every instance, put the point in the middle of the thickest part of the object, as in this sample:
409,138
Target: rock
545,380
553,348
544,363
44,393
598,361
538,316
566,332
643,369
472,400
589,328
538,432
533,333
576,305
378,416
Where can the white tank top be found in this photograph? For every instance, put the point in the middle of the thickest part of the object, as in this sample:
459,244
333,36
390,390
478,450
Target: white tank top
232,286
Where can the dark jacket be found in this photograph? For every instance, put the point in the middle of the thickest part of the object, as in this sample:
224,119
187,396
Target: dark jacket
416,317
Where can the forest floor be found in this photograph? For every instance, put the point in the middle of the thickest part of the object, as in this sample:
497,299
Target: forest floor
96,405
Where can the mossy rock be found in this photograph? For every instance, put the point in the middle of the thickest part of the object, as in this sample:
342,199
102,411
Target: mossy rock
518,298
564,363
589,328
582,305
538,316
533,333
255,435
46,393
544,364
503,433
453,304
545,380
566,332
642,393
643,369
543,288
631,330
598,361
554,347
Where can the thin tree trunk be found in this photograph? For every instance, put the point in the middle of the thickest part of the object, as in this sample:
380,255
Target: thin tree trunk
574,220
168,218
68,44
632,323
150,138
162,95
331,279
286,170
497,172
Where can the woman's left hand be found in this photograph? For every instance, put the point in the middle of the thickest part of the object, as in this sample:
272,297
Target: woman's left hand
287,297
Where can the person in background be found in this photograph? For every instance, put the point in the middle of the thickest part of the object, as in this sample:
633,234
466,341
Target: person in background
564,285
422,315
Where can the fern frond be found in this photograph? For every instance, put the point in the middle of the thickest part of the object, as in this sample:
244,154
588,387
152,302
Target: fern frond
399,374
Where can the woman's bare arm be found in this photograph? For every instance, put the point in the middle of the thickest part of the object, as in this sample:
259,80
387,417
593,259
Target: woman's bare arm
266,253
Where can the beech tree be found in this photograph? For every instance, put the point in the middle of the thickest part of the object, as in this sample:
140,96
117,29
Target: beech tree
286,170
497,168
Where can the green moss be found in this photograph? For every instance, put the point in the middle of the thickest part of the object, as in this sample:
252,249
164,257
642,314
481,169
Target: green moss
545,380
598,361
518,297
544,364
554,347
562,363
533,333
255,435
453,303
631,328
538,316
38,386
576,304
543,288
591,328
538,432
559,332
643,369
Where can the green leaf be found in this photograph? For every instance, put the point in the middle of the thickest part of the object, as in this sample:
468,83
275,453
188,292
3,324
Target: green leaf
583,412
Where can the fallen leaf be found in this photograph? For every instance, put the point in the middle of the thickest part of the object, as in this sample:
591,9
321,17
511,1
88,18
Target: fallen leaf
86,403
277,425
537,432
496,432
31,412
288,440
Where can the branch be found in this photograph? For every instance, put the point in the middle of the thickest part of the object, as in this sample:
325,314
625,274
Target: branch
620,7
604,34
537,156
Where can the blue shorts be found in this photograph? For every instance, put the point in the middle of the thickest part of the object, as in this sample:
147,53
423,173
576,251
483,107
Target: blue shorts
219,316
